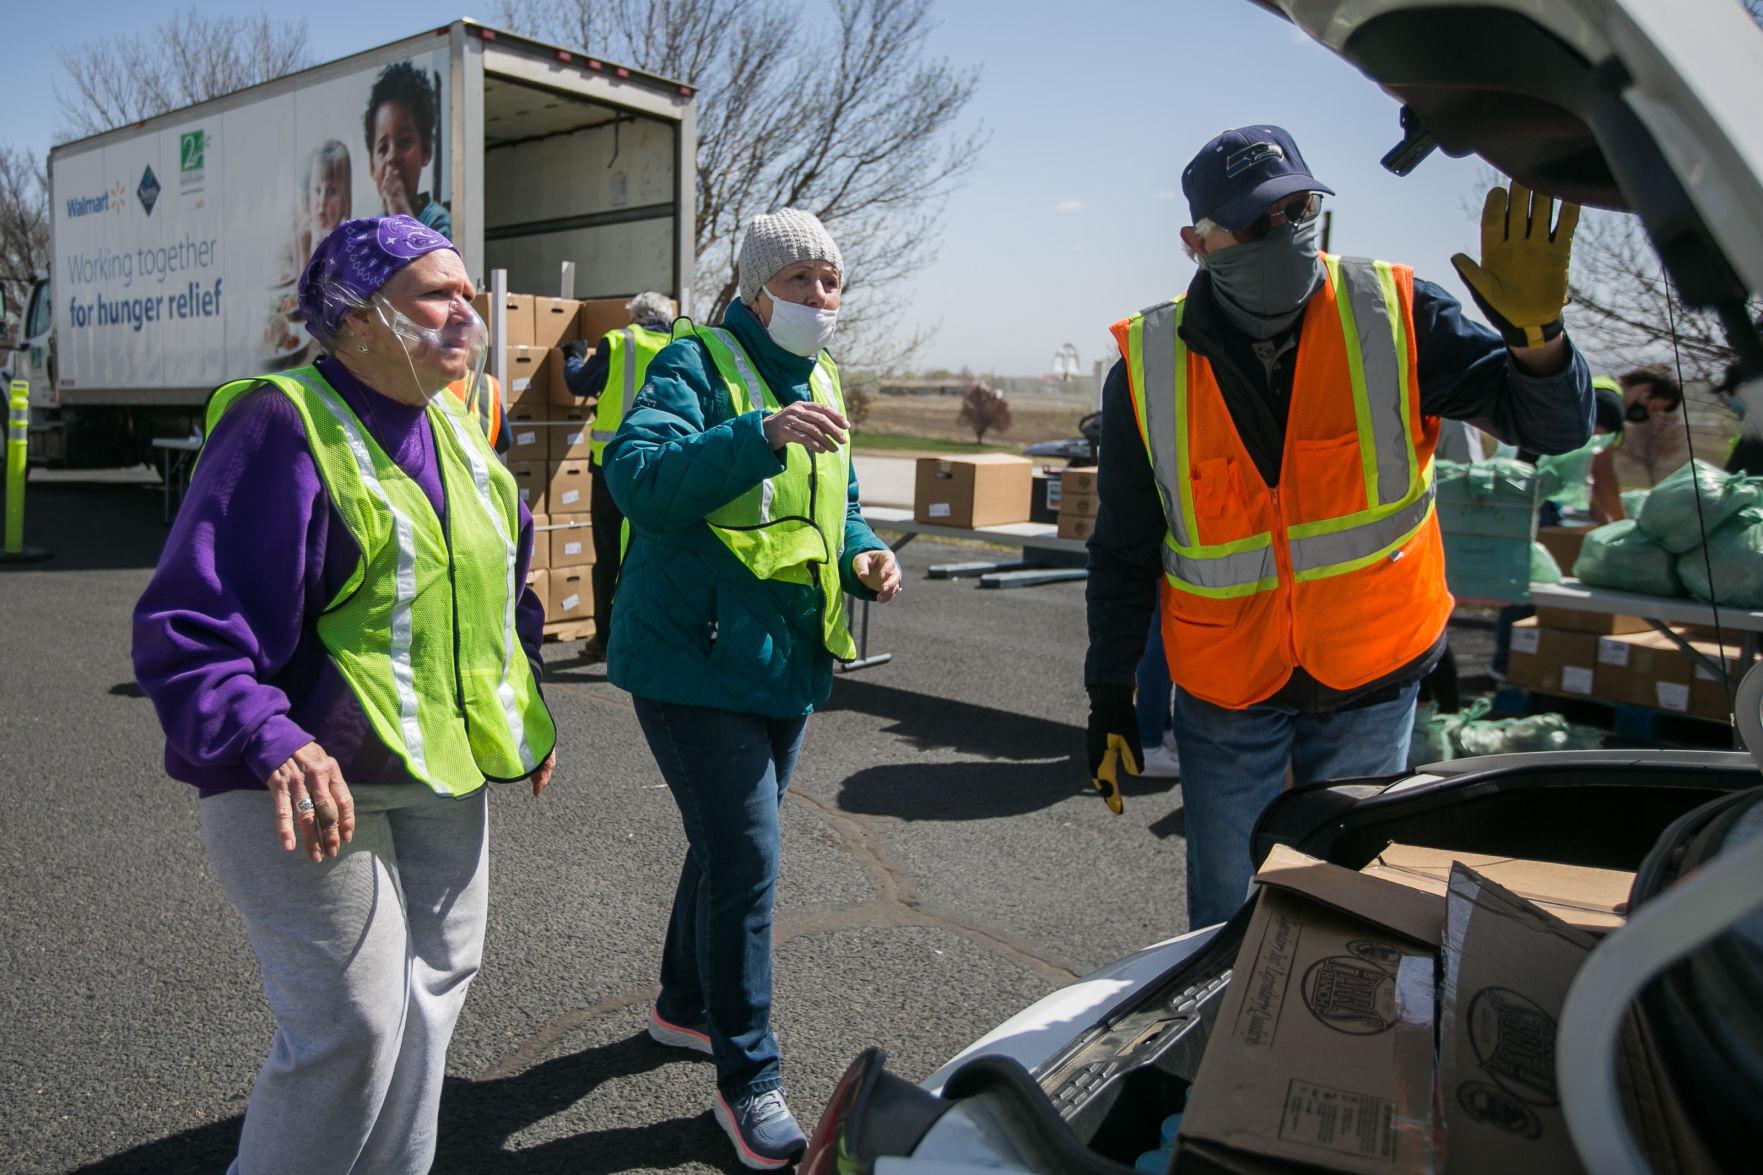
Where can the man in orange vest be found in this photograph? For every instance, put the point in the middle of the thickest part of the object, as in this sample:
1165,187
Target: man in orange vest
1265,485
483,399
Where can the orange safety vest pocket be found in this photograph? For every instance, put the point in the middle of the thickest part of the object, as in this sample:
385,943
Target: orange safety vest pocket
1329,473
1202,641
1349,634
1218,490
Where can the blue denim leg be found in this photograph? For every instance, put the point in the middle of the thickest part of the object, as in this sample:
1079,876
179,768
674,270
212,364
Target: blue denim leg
1509,615
728,773
1153,693
1234,764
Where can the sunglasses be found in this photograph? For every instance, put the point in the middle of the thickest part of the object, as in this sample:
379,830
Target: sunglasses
1297,210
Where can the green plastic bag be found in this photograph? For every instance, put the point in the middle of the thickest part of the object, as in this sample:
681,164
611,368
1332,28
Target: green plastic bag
1632,501
1735,554
1543,568
1669,516
1617,555
1471,732
1565,478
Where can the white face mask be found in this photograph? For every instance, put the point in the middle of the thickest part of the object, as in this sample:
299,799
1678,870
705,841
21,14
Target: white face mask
798,329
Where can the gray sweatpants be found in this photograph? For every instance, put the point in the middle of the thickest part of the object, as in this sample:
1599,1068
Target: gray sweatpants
366,958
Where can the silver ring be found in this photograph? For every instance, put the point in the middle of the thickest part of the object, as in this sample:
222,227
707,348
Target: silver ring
304,806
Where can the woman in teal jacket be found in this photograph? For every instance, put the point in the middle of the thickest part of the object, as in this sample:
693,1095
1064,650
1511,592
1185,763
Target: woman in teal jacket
728,622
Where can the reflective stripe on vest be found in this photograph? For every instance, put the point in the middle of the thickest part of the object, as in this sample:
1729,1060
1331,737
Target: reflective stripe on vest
790,527
1399,491
630,351
446,687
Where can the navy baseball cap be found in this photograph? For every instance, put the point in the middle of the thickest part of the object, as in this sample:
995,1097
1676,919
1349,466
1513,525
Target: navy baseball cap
1239,174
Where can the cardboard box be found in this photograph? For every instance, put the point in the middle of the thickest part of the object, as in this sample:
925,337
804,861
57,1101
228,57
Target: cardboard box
570,541
1563,543
599,315
1078,481
517,329
1078,505
1043,502
1076,526
555,321
541,558
1551,661
1507,967
528,376
566,490
570,430
1596,623
528,431
530,481
557,382
571,594
1595,900
540,581
1323,1048
986,489
1708,697
1633,666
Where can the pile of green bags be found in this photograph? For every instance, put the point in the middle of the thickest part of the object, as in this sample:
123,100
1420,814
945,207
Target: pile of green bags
1618,555
1660,552
1443,737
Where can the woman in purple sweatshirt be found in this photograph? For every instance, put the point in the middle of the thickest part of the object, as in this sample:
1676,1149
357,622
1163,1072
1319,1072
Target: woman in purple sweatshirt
342,651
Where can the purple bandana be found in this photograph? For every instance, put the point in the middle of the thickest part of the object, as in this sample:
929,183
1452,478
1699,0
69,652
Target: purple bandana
352,262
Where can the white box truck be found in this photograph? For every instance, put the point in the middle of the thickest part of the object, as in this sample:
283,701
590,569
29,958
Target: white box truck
177,242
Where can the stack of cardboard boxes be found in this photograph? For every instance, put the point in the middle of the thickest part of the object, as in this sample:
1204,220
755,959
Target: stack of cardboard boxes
1621,660
1077,503
549,431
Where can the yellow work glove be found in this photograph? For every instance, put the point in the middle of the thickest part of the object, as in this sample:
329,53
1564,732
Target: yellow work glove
1521,283
1112,741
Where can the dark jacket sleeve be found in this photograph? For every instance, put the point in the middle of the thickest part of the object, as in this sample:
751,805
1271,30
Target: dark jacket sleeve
1466,373
1125,548
529,610
587,377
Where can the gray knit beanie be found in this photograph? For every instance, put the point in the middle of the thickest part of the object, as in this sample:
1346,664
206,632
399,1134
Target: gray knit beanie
777,239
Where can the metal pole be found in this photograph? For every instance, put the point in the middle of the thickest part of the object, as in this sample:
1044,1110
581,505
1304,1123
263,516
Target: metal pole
17,440
499,324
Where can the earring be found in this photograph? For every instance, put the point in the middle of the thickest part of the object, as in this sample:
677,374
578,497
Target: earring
362,347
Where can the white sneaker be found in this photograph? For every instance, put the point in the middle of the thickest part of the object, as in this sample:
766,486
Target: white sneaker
1161,762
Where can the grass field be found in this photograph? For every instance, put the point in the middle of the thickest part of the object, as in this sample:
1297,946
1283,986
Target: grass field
934,418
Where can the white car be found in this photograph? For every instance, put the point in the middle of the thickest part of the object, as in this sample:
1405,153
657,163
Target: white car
1651,105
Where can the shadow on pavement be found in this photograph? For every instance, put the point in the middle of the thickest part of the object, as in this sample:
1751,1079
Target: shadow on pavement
93,525
478,1118
1035,763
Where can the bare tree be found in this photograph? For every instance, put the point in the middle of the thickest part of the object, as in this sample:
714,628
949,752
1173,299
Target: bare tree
193,56
984,410
850,121
24,224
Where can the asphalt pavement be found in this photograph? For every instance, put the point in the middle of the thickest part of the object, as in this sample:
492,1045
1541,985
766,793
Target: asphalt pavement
944,864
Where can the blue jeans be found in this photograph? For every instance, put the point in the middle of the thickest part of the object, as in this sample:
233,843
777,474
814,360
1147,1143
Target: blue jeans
727,773
1233,764
1152,700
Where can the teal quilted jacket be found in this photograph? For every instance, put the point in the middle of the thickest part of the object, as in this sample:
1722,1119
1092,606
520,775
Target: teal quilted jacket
692,624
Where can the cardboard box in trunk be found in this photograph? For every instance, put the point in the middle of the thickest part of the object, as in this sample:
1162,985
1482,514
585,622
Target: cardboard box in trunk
530,481
1553,662
1595,900
567,491
528,376
1323,1048
569,541
570,428
517,328
571,594
555,321
986,489
529,433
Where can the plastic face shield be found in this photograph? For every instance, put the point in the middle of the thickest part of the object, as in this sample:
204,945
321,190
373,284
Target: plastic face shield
463,337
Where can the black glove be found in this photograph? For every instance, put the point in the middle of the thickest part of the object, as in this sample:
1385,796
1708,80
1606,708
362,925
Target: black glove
575,349
1112,740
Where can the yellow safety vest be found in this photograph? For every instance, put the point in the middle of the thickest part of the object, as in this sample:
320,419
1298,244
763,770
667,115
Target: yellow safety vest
632,348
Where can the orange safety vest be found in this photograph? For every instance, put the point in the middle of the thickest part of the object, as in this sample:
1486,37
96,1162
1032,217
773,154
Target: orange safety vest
487,409
1340,569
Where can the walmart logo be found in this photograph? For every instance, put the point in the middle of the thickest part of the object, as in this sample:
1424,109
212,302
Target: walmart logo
103,201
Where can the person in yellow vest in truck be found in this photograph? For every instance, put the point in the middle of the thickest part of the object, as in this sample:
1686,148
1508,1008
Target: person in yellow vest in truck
1265,486
614,372
342,652
733,465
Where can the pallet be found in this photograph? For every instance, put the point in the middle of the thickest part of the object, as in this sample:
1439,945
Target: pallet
568,630
1636,723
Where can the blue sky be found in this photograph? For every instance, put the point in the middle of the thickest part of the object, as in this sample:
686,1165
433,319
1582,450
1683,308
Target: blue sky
1072,219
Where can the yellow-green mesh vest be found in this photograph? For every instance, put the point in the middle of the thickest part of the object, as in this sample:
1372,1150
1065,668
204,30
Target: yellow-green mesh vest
423,630
790,527
631,349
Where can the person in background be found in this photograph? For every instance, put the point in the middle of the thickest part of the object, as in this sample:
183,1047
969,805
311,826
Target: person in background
481,397
1747,447
1265,484
614,372
733,467
400,128
342,652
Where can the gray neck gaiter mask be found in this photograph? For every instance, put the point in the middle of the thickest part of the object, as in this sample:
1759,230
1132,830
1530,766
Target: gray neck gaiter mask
1261,287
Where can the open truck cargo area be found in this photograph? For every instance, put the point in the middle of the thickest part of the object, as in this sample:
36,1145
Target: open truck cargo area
177,243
